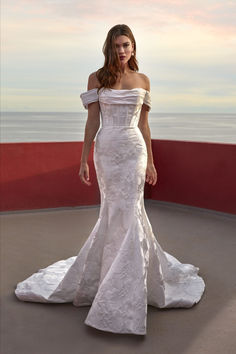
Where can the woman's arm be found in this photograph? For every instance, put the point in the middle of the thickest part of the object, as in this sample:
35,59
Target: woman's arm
92,123
151,174
91,128
145,130
143,122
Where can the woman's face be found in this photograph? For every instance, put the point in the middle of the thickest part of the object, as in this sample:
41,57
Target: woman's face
124,48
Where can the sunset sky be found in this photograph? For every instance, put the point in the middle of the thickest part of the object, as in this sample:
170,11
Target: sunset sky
187,48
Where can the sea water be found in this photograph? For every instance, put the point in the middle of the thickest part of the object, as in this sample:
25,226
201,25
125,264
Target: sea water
63,126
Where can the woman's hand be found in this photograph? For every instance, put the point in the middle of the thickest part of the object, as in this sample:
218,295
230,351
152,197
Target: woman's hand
84,173
151,174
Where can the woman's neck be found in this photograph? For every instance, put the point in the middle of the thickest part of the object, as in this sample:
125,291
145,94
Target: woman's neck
125,70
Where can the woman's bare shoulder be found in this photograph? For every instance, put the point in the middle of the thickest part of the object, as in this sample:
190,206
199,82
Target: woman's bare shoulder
145,81
93,81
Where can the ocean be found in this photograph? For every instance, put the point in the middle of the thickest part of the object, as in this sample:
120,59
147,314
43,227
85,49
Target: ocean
62,126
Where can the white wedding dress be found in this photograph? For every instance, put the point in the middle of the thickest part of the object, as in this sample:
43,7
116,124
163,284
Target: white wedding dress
121,268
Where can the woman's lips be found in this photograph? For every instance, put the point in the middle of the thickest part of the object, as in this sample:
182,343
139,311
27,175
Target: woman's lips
122,57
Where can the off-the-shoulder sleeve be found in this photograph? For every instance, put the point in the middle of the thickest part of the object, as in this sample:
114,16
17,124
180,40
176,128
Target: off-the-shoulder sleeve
147,99
89,97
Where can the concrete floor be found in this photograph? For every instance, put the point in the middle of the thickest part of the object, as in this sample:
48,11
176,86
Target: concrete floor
34,239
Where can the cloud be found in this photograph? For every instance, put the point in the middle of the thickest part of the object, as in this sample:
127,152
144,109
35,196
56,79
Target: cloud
52,45
214,15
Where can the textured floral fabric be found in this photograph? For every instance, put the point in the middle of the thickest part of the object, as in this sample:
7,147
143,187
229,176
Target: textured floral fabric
121,267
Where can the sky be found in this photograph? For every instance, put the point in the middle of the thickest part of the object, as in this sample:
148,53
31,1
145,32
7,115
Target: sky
187,48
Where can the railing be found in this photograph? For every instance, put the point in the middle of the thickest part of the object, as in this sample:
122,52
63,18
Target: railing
45,175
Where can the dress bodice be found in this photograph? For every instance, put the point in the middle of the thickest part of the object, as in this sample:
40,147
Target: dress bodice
118,107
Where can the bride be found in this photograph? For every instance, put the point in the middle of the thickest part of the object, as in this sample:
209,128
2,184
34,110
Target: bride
121,268
120,67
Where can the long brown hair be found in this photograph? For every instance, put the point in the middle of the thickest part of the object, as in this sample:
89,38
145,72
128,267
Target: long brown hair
107,75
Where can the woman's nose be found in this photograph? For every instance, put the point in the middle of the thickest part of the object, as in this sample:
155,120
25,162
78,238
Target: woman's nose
121,51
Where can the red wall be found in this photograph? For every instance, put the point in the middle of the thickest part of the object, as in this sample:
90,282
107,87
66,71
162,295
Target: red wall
45,175
200,174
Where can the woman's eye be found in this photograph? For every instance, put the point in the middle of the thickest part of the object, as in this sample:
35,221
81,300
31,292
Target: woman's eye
125,45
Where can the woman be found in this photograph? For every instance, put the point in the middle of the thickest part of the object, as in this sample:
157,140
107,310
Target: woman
120,74
121,268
